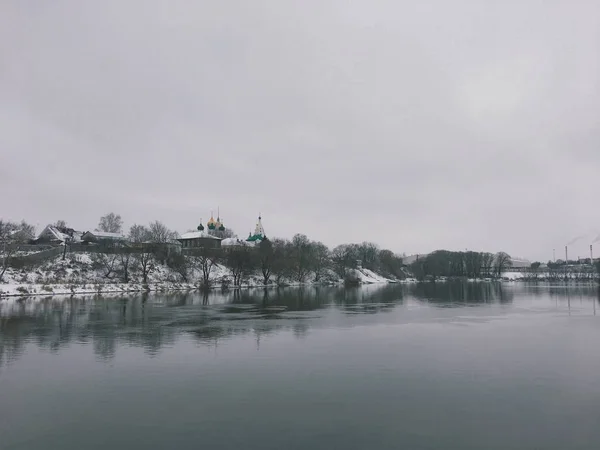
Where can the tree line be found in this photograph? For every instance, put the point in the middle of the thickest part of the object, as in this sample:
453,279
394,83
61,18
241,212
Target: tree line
444,263
276,260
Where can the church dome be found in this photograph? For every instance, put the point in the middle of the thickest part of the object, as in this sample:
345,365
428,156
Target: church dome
212,223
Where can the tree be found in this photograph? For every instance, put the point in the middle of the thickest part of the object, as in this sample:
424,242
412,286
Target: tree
240,262
488,263
369,255
390,264
281,263
60,224
342,258
502,263
12,237
110,223
160,234
26,231
473,264
125,259
319,259
179,264
145,261
266,259
105,262
300,253
204,259
139,235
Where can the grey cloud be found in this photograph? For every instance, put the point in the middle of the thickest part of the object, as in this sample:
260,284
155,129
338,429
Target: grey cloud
418,125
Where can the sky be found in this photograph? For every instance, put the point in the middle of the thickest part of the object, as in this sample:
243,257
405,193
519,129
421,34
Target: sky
417,125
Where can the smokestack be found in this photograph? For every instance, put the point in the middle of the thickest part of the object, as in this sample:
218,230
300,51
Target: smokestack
566,255
591,254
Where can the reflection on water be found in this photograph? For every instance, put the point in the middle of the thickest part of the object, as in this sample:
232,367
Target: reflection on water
431,366
154,321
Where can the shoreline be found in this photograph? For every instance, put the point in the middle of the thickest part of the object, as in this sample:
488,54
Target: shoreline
24,290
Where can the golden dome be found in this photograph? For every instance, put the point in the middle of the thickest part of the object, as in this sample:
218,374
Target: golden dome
211,221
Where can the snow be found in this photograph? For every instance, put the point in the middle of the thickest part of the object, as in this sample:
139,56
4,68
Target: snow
105,234
54,232
230,242
367,276
197,235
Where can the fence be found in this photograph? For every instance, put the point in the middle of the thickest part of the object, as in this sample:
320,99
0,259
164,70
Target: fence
18,262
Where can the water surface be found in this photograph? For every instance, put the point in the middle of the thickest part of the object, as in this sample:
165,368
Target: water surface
434,366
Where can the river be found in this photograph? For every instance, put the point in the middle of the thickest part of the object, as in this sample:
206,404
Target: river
433,366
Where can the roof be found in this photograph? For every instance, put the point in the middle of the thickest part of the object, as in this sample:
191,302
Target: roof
197,235
231,242
105,234
54,232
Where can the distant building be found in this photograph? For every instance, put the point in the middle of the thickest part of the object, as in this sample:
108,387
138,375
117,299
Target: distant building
101,237
259,233
213,236
58,235
231,243
201,238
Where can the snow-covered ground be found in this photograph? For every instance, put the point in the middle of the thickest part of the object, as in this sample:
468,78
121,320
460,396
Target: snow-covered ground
366,276
79,275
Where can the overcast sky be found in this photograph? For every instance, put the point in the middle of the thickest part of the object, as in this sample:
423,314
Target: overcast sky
414,124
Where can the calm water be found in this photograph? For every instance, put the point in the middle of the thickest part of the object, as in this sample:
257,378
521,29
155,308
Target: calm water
389,367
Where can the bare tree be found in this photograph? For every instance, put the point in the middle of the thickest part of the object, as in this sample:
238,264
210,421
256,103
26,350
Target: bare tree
204,259
343,259
488,263
12,237
110,223
502,263
266,259
60,224
125,259
107,263
160,234
26,231
369,255
240,262
300,252
320,259
179,264
391,264
145,261
139,235
281,263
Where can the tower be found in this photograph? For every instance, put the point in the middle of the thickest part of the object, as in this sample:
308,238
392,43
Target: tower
215,225
259,232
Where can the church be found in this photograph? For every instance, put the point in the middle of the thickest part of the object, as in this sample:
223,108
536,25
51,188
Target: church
259,232
213,235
